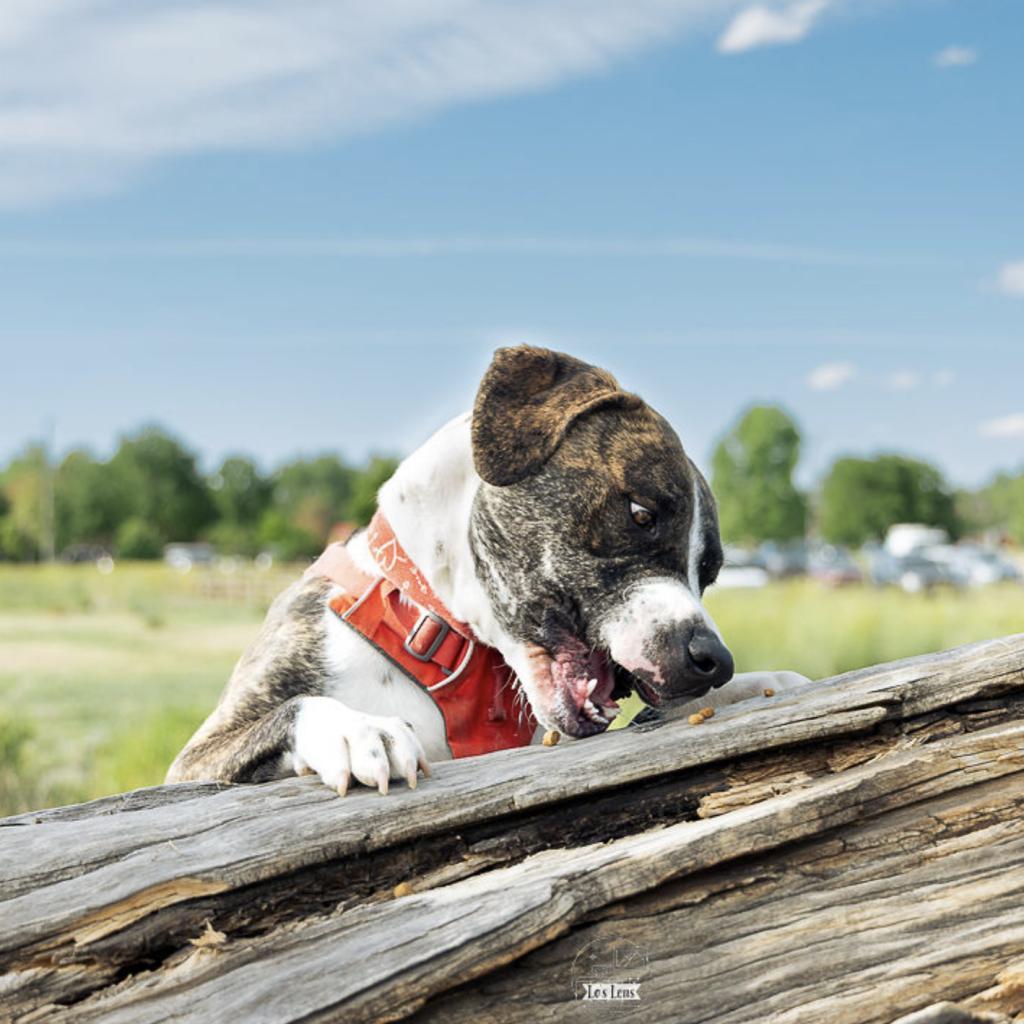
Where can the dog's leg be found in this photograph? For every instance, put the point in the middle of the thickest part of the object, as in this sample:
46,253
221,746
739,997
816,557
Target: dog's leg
307,735
274,718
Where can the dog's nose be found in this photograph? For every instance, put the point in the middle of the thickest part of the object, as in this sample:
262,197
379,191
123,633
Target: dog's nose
709,659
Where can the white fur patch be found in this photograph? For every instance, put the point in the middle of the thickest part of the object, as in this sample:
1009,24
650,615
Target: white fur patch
364,680
338,744
696,551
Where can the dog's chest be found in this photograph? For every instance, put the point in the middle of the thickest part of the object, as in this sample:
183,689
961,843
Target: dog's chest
363,679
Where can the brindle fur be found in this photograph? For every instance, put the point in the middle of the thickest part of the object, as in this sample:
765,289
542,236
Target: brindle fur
561,450
250,731
573,518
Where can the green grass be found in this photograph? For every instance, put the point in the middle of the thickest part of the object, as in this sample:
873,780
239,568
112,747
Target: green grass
103,678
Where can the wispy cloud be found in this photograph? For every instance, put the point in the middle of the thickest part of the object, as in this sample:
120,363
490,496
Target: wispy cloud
830,376
1006,426
1011,278
903,380
955,57
440,246
93,91
760,26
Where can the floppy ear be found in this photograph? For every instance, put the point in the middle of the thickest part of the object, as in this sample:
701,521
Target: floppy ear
527,400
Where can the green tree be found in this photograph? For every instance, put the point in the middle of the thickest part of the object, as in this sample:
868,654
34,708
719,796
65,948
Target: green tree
88,508
752,477
23,487
368,482
861,498
312,494
241,495
287,540
139,538
240,492
1000,506
154,477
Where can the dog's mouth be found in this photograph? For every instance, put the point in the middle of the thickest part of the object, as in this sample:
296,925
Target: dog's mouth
579,686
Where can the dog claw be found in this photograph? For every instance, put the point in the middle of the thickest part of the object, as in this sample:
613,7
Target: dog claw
343,785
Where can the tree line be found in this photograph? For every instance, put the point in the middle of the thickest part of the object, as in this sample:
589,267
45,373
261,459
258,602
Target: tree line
151,491
857,500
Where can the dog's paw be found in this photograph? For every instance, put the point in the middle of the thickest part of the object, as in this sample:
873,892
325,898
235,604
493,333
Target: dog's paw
337,743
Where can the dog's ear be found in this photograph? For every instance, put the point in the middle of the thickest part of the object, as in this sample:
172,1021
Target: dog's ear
527,400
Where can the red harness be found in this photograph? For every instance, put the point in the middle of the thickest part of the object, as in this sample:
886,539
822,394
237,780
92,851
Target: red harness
397,611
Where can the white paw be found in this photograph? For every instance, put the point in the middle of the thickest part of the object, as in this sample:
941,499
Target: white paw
337,743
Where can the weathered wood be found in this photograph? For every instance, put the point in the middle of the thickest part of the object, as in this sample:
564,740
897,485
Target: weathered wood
501,856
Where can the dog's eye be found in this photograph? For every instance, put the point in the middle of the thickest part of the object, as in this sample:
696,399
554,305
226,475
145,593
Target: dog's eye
643,517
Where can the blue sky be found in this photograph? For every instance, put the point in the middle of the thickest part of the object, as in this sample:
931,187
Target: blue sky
285,226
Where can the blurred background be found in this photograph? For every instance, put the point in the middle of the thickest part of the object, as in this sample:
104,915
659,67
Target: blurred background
251,254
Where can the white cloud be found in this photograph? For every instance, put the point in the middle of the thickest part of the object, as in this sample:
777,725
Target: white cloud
442,246
903,380
1005,426
1011,279
94,90
943,378
830,376
955,57
766,26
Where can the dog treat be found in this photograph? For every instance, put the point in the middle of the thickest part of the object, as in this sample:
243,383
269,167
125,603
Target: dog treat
707,712
697,719
769,692
402,889
551,737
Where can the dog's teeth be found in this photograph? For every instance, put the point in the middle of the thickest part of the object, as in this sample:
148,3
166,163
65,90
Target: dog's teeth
588,706
591,687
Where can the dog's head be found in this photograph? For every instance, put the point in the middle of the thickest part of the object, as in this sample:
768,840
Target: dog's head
596,536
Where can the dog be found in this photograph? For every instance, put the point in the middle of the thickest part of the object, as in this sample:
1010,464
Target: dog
531,564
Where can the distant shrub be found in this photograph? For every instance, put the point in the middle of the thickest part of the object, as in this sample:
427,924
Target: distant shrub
137,538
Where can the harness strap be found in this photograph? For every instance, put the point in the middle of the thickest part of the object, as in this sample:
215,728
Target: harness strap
397,612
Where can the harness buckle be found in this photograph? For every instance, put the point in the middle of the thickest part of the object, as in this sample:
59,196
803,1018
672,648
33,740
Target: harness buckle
443,629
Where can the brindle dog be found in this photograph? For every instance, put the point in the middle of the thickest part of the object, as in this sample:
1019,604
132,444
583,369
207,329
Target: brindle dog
564,522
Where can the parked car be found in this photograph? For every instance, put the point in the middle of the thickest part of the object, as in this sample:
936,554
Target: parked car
742,568
184,556
906,538
972,564
912,573
784,558
833,566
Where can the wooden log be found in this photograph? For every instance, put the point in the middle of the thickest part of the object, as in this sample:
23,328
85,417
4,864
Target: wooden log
105,907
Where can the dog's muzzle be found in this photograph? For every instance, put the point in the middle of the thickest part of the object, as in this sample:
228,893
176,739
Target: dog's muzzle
682,661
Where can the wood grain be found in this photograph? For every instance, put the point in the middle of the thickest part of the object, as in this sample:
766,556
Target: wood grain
820,796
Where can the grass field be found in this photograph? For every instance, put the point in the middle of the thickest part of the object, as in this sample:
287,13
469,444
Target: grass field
104,677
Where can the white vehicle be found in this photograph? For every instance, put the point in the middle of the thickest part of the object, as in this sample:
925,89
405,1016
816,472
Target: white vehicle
907,538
